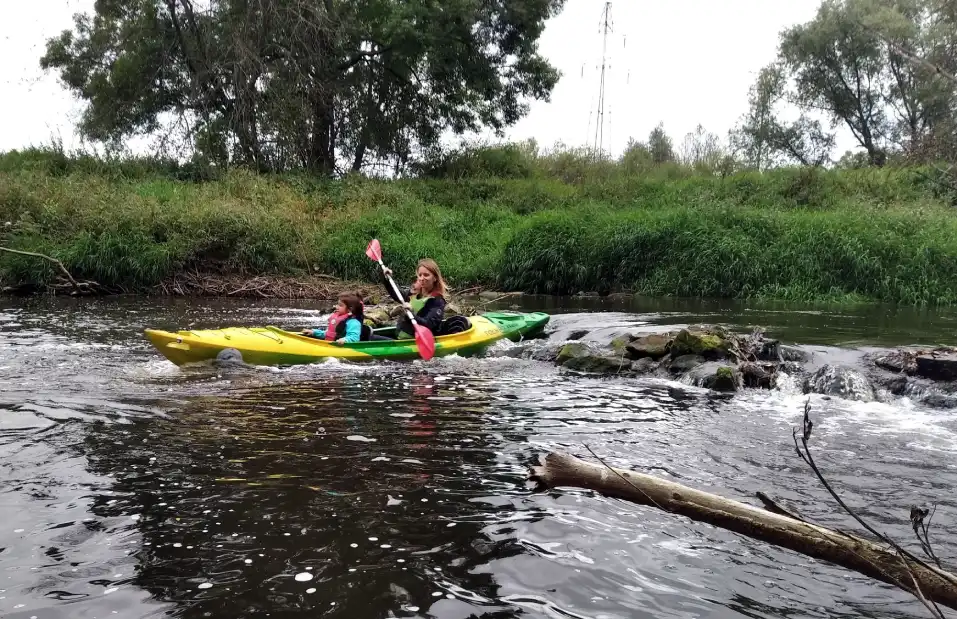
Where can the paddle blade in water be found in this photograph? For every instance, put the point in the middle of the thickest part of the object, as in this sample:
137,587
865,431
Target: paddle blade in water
374,250
425,341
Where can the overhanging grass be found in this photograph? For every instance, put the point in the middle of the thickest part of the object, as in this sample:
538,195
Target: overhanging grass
887,235
901,257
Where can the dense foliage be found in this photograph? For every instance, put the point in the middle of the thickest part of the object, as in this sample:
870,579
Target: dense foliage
556,223
287,84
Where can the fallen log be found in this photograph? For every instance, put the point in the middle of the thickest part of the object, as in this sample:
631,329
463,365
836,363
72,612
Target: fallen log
927,582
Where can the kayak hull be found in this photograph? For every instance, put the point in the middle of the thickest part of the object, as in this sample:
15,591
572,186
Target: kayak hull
274,346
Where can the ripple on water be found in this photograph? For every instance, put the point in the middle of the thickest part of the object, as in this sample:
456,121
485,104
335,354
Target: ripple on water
129,493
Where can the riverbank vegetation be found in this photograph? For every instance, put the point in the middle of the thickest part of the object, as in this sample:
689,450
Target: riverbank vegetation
253,187
563,225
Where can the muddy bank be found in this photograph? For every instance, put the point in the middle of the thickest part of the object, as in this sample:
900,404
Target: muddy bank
236,285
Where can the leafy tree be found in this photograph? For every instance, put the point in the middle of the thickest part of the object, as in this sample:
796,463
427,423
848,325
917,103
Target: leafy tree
279,84
837,66
763,139
882,68
636,157
660,145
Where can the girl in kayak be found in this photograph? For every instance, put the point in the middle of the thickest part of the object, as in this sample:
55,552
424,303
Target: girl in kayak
345,324
426,299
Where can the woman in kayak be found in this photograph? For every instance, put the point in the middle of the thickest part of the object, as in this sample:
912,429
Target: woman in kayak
345,324
426,299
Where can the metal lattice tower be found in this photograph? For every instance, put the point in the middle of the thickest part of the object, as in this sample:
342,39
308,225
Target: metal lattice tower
607,25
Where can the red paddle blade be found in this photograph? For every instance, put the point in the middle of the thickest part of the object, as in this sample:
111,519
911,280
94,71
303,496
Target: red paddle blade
374,250
425,341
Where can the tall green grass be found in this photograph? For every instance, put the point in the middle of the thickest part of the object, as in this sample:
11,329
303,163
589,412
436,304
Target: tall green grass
509,217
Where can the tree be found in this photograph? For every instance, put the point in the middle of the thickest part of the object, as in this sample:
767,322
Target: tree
659,143
702,150
278,84
763,139
837,66
882,68
920,38
753,137
636,157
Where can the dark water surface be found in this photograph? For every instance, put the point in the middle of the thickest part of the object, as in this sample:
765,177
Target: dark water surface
132,488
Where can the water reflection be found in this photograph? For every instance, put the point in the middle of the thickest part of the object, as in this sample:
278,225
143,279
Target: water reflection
348,497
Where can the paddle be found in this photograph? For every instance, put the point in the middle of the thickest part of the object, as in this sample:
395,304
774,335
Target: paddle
423,337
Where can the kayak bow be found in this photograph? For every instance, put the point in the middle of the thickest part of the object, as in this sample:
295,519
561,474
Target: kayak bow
274,346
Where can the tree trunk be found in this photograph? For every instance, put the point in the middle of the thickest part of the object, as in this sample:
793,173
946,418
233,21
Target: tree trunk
859,554
322,146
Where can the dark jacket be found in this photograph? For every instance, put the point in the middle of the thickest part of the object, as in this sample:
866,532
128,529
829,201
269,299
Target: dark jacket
430,316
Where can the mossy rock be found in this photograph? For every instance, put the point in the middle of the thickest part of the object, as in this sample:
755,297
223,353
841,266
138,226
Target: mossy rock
619,343
725,378
377,317
702,343
572,350
716,376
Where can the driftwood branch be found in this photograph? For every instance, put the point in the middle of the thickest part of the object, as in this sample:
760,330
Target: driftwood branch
861,555
63,269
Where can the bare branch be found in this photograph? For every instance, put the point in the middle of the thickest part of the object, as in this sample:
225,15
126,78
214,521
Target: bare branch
63,269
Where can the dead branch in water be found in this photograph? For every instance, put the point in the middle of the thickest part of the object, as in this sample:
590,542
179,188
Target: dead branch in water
930,584
907,559
78,288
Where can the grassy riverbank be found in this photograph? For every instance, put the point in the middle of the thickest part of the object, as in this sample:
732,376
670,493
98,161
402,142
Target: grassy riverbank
558,225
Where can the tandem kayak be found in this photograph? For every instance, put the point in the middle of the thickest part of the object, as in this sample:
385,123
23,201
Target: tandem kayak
274,346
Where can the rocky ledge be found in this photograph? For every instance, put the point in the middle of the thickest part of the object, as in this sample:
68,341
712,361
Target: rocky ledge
715,358
707,355
927,374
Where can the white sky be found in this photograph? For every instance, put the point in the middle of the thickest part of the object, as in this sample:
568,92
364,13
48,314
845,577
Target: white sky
677,61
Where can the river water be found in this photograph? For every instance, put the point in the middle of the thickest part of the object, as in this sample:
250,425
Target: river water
131,488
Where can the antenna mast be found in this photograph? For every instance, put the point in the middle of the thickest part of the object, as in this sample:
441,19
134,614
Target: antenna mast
607,27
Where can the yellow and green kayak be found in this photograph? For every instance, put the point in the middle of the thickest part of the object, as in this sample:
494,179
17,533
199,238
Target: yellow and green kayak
274,346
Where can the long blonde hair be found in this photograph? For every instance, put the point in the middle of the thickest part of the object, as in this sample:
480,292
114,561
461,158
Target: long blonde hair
439,288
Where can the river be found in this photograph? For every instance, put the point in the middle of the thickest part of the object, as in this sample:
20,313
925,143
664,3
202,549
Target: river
131,488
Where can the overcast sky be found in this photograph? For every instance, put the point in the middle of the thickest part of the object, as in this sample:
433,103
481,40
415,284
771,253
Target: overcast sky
682,62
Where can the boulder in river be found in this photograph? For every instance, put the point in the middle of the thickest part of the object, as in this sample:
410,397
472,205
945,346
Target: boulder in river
653,346
717,376
900,361
730,360
581,357
792,353
707,343
572,350
937,365
377,316
684,363
710,356
758,375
